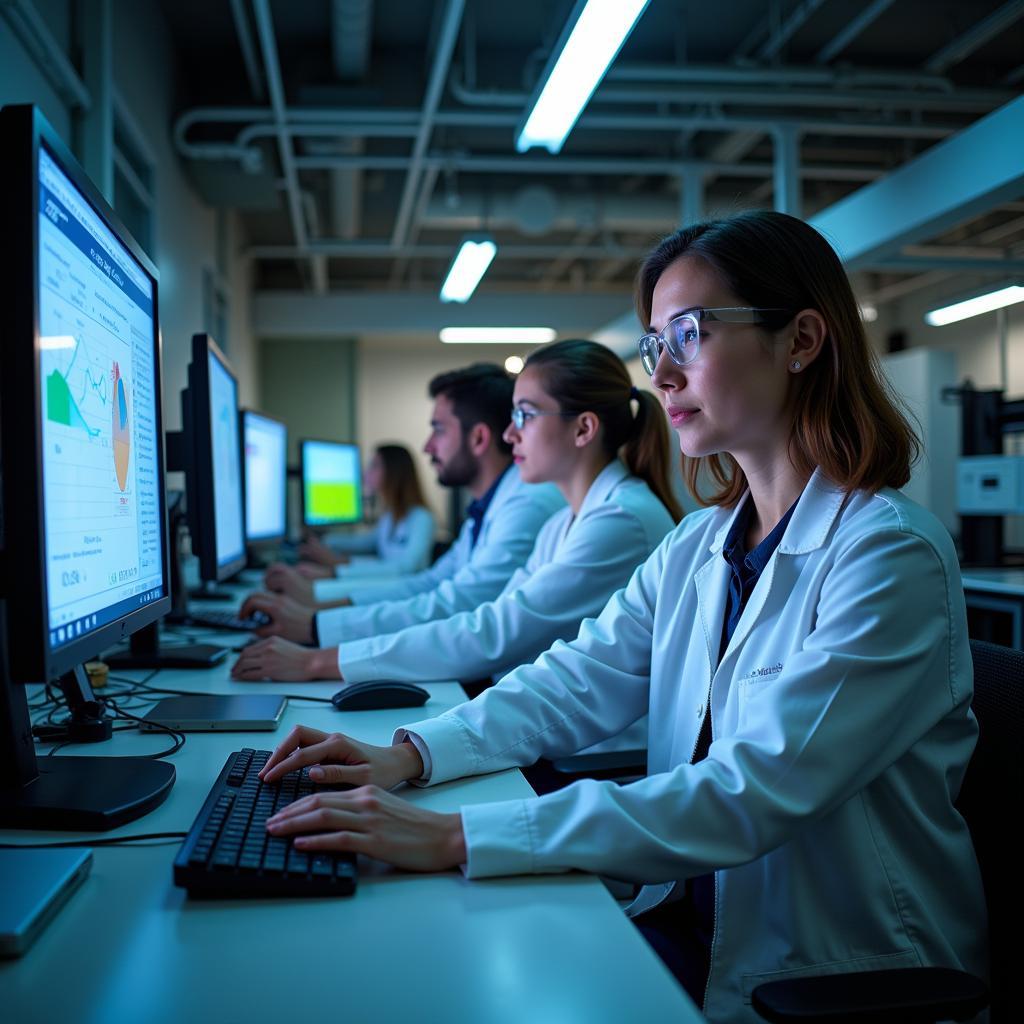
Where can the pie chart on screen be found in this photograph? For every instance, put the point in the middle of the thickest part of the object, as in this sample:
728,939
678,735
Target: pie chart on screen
122,435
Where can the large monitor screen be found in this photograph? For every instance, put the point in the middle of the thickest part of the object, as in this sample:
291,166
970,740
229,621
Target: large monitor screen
100,442
331,483
228,501
266,477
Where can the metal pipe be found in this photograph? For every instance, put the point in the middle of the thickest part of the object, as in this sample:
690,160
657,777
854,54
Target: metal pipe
439,72
581,165
788,29
851,30
787,170
386,250
248,48
272,70
976,36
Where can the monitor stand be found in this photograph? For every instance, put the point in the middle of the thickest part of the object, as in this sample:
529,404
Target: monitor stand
71,793
145,651
207,591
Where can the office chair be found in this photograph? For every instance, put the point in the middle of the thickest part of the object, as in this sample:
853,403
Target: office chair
928,994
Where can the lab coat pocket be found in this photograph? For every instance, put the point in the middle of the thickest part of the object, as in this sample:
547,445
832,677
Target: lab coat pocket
750,688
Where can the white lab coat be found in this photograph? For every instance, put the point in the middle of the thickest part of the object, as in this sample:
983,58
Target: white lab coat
576,565
390,549
841,731
464,577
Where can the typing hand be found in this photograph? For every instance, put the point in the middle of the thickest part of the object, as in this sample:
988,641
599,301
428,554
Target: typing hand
341,759
277,658
374,822
313,571
284,579
288,618
315,550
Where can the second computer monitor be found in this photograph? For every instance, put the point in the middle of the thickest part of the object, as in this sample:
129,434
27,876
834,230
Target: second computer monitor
331,483
216,504
265,444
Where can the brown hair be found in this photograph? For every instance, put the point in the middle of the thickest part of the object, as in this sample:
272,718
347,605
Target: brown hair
481,393
846,418
400,488
583,376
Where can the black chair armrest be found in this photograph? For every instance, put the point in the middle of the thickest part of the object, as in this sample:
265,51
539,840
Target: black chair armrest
615,764
915,995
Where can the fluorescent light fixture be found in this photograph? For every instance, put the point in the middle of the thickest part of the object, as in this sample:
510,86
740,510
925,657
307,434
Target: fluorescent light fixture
575,69
868,313
514,364
470,264
497,335
972,307
48,342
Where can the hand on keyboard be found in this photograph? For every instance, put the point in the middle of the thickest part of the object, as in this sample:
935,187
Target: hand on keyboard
374,822
334,758
286,617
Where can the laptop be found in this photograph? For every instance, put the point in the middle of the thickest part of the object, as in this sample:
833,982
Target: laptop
245,712
34,885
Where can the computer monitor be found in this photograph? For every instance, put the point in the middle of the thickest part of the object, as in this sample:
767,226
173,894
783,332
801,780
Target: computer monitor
265,470
84,526
211,456
331,483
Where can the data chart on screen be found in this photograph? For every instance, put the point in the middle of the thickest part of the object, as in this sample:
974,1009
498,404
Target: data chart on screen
98,378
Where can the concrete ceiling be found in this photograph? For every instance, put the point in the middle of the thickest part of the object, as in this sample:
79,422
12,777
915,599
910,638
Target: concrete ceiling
359,139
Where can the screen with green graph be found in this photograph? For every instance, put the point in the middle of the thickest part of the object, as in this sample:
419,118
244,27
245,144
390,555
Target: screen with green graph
331,483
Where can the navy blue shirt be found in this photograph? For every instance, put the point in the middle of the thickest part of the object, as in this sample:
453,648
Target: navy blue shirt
478,508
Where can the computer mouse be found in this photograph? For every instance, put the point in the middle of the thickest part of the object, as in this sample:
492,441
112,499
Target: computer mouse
379,693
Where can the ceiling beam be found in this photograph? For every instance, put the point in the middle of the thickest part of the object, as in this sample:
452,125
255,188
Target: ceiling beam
297,315
976,36
944,186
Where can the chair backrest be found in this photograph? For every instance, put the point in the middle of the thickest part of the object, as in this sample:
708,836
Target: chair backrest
990,797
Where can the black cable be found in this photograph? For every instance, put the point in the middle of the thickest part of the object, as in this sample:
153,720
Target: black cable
116,841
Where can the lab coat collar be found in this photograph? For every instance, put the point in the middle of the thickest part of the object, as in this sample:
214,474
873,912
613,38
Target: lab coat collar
604,483
815,512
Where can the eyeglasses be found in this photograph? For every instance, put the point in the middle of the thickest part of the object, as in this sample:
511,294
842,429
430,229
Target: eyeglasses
521,416
681,336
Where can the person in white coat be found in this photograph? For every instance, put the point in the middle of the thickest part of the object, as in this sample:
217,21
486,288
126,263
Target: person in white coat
573,415
800,645
466,447
402,540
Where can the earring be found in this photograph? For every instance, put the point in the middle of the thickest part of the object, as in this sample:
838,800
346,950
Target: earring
795,365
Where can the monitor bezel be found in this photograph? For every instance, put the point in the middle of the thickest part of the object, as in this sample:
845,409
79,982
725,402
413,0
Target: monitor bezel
203,527
302,482
24,131
266,538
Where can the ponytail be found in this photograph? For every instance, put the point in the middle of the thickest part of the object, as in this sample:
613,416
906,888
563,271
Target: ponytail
583,376
648,450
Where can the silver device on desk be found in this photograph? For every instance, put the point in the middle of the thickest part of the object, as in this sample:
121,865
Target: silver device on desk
34,885
245,712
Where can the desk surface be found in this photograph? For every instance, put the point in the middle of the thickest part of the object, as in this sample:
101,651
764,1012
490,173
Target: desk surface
129,946
995,581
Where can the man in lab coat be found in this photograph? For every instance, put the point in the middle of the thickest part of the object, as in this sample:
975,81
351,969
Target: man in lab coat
470,413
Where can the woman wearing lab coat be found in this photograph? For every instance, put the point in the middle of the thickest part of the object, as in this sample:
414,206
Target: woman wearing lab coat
577,422
403,538
800,645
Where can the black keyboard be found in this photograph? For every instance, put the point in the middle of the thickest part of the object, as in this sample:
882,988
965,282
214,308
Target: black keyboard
228,851
228,620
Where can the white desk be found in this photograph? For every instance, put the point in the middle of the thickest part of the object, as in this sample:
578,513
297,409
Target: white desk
130,947
1001,591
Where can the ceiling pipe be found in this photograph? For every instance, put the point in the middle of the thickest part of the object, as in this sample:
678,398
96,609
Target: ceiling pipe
851,30
383,249
976,36
272,71
824,88
789,28
439,72
245,42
